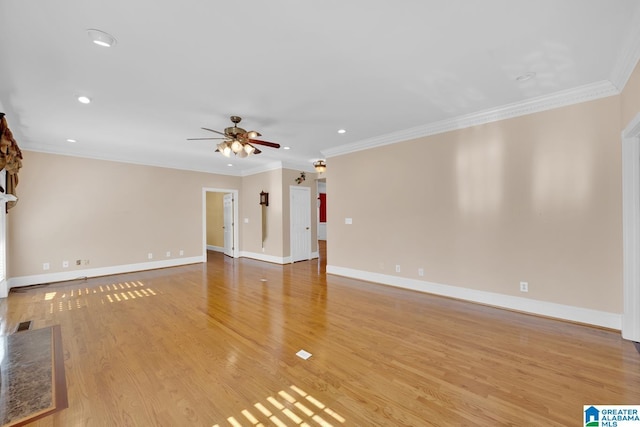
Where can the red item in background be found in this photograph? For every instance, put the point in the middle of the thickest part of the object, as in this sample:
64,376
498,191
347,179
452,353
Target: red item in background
323,207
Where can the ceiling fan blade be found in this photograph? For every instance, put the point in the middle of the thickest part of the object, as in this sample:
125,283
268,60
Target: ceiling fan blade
256,151
199,139
214,131
265,143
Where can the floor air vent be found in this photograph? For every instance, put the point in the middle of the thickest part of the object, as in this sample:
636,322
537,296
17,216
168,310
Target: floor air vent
24,326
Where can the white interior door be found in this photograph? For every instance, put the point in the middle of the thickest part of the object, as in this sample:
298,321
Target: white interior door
228,224
300,220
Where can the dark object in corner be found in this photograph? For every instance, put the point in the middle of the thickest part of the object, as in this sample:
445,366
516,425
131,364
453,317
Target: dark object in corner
264,198
10,159
637,344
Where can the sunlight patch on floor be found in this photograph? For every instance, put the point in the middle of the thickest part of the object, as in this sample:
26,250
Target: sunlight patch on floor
79,298
283,412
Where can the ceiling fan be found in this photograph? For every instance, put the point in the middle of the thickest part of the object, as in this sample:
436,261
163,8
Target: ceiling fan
237,140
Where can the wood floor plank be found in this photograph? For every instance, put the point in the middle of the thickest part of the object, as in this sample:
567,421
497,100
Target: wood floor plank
215,344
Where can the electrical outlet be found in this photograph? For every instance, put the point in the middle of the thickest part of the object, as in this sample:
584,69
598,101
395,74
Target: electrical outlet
524,287
421,272
168,254
150,255
397,268
86,262
181,252
65,264
348,221
45,266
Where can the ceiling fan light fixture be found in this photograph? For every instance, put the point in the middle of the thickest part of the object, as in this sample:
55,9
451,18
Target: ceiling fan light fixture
225,149
320,165
237,140
236,146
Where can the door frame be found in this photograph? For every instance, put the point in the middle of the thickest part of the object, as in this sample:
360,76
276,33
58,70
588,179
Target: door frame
224,226
631,229
293,188
205,190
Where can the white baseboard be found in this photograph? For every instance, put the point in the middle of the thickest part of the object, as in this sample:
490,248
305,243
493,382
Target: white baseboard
215,248
265,257
101,271
542,308
271,258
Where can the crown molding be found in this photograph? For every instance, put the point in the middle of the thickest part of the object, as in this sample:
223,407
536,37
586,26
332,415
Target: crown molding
263,168
111,158
301,166
307,167
277,165
534,105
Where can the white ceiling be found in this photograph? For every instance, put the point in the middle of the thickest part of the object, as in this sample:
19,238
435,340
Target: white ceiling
295,70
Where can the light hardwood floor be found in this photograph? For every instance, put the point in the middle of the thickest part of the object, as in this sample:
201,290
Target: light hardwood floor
215,344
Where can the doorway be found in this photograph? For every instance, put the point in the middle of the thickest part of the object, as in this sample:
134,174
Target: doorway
322,209
227,212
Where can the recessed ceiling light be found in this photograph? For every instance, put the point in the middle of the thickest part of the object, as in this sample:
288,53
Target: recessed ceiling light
342,131
101,38
71,140
229,164
526,76
287,148
84,99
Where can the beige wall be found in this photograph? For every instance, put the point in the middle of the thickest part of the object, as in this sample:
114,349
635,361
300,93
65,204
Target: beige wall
215,219
109,213
535,198
270,182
